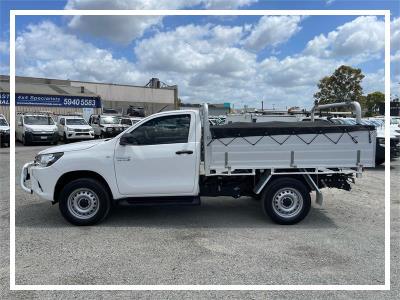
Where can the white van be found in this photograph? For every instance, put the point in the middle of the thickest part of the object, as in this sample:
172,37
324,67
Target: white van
73,128
36,128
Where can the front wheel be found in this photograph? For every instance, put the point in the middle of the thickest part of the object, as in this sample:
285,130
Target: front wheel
286,201
84,202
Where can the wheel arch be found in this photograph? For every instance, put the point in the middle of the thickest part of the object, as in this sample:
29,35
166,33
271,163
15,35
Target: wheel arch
70,176
266,181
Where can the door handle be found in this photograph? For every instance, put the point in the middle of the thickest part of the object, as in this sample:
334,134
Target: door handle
123,158
184,152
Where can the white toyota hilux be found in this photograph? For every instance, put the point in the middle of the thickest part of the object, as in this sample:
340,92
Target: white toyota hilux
175,157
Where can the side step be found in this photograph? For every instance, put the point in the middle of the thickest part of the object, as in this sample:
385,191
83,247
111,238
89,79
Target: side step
159,201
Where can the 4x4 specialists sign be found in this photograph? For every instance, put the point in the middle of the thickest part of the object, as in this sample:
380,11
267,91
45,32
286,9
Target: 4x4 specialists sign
51,100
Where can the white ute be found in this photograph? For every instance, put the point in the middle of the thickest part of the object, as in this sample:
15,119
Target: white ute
175,157
74,128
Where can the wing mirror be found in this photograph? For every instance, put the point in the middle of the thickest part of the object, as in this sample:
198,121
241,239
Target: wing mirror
128,139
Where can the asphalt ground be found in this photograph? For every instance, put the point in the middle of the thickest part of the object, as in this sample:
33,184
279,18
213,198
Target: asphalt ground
223,241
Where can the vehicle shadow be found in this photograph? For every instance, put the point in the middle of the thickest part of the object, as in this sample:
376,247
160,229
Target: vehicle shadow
213,213
380,168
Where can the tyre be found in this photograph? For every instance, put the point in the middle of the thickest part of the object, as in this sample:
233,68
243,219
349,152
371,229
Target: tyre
286,201
84,202
66,141
24,141
379,161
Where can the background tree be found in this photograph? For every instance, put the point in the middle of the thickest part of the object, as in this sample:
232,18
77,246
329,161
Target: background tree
372,101
343,85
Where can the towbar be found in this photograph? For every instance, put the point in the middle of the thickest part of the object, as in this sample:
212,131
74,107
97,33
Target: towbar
354,105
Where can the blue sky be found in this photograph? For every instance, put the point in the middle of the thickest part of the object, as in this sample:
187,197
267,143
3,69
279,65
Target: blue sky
243,59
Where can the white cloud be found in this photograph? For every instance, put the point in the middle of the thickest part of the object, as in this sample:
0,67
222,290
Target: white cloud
374,82
208,63
124,29
395,35
272,31
191,49
4,47
296,71
361,39
63,55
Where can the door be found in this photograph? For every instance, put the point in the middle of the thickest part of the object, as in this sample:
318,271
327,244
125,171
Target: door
160,158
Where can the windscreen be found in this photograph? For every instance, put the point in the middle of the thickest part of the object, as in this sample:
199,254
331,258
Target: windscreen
38,120
76,122
109,120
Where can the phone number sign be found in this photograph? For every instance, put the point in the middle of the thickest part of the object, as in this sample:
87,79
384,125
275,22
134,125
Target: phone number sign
50,100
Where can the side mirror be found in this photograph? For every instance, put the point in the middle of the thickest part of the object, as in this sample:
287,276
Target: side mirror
128,139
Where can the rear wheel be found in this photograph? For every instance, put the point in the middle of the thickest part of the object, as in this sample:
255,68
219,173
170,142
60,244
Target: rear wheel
286,201
84,202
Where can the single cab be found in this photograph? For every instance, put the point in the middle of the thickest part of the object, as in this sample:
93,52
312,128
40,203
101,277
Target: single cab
175,157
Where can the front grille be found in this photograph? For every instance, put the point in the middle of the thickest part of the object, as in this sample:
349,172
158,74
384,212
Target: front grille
43,133
82,130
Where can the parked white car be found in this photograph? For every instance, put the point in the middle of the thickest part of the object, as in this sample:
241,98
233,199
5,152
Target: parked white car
168,158
4,132
74,128
105,126
36,128
127,122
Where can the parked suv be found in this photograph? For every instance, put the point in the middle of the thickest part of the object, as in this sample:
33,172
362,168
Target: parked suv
73,128
36,127
4,132
105,126
127,122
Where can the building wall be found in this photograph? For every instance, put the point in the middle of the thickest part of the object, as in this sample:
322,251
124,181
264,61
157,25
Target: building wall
125,93
149,108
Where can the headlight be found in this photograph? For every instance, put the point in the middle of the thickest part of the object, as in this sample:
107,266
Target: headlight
381,142
70,129
27,129
46,160
55,129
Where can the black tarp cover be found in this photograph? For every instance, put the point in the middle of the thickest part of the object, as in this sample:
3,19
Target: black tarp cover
242,129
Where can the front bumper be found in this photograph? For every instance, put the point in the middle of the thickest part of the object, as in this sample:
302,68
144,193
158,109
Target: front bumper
39,180
79,135
36,137
4,138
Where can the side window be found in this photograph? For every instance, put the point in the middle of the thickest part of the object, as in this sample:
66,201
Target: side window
125,121
163,130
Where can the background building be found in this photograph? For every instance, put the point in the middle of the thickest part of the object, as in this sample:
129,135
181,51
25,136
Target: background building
213,109
67,96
